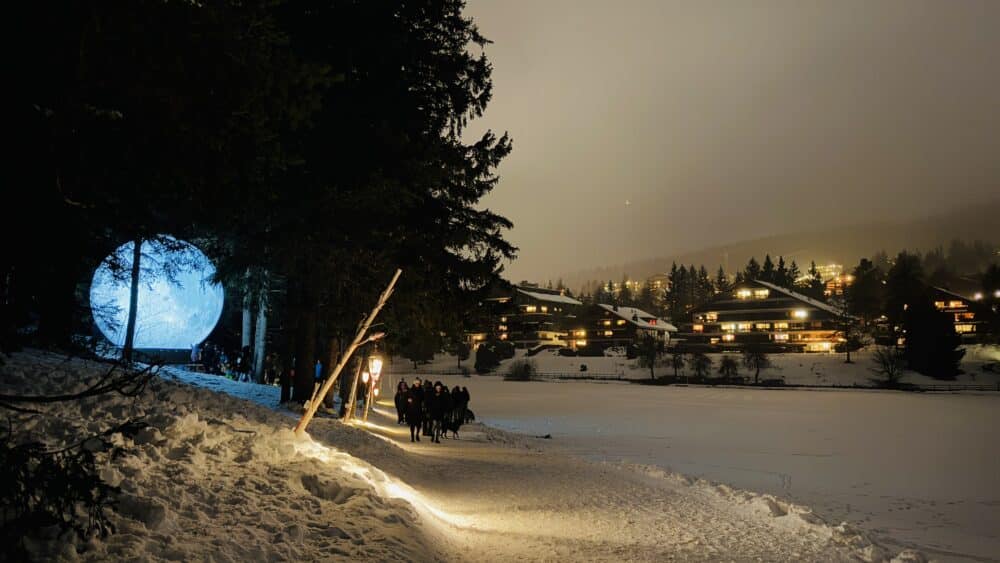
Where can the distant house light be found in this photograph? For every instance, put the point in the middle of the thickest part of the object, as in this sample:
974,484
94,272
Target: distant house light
996,294
780,336
621,322
698,328
728,337
607,322
939,304
712,317
761,293
581,343
579,333
530,309
743,294
608,333
800,313
728,327
978,296
955,304
545,309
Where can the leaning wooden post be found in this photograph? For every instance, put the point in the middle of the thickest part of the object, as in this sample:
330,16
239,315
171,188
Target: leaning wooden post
359,339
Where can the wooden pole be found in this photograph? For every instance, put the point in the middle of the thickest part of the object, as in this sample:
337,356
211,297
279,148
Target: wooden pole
352,396
359,339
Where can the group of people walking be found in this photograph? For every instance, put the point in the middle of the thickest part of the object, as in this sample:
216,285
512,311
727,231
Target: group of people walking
431,409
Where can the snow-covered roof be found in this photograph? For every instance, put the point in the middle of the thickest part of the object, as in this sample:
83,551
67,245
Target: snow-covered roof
804,298
640,318
552,298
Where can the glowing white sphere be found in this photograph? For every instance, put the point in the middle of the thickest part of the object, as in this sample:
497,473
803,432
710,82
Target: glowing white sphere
172,313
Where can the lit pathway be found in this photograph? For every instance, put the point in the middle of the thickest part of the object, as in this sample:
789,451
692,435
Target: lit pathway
504,496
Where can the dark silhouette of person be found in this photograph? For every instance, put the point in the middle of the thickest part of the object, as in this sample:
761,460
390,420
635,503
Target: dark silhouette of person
400,402
414,411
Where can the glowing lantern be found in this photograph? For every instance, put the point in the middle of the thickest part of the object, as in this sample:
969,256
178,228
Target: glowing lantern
375,366
375,391
364,376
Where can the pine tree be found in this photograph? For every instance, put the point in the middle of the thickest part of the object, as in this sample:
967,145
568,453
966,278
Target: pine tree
752,271
781,274
767,272
721,281
865,295
815,286
793,275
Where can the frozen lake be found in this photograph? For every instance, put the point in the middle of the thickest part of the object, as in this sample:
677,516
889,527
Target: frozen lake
917,470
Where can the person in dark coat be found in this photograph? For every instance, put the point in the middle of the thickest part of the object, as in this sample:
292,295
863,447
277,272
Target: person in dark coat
414,411
400,401
440,408
466,413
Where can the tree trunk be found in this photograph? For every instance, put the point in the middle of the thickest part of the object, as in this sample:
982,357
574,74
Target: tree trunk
133,302
260,339
305,355
333,357
245,335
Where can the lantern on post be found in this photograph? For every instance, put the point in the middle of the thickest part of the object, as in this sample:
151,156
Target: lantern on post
375,369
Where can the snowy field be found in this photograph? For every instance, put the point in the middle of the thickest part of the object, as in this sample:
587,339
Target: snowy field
915,469
215,477
813,369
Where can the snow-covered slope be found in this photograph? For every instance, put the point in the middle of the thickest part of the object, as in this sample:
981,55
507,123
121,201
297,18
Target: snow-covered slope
219,478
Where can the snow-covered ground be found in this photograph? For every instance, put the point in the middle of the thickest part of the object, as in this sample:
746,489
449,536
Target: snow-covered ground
814,369
915,469
216,477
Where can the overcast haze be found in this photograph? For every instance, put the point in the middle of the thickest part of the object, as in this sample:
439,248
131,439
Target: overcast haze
722,121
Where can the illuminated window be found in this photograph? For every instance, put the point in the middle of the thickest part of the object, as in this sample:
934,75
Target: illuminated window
503,336
955,304
711,317
698,328
545,309
728,337
939,304
608,333
530,309
607,322
780,336
965,328
620,322
800,313
503,319
502,327
714,340
728,327
763,326
581,342
743,294
780,326
761,293
743,327
579,333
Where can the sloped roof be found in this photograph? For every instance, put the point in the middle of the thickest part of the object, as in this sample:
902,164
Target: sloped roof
804,298
640,318
551,298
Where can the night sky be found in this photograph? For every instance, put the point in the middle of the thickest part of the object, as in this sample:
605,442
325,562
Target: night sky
647,127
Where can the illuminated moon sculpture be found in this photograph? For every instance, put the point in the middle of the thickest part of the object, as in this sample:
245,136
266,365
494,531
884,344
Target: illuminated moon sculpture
178,304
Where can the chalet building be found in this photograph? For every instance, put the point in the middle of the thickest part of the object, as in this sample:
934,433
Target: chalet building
526,315
756,310
603,326
962,311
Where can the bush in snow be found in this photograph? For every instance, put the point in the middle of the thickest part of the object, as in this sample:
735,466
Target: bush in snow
888,364
486,359
521,370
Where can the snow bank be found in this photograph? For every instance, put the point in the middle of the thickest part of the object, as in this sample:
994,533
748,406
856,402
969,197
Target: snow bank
216,478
